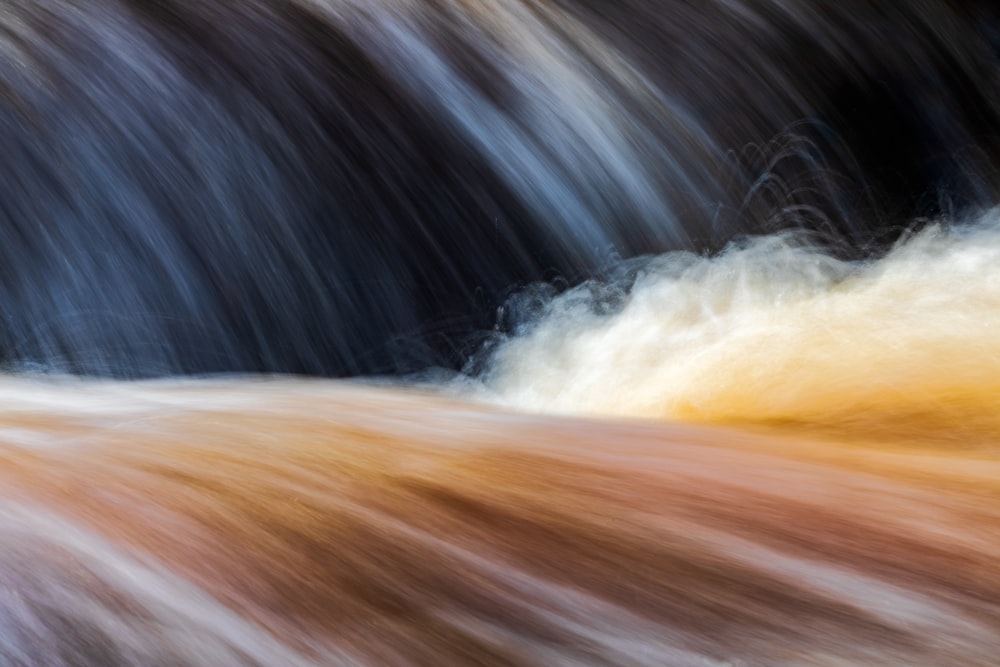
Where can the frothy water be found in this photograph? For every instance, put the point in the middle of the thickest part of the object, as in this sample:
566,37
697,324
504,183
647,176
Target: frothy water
722,278
775,330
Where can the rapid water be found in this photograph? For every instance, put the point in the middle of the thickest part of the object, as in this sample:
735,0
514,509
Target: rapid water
284,522
773,330
676,325
338,188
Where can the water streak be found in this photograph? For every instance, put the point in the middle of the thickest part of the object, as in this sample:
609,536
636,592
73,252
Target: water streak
338,187
288,523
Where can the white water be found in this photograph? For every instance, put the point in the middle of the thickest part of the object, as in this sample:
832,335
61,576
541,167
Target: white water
776,330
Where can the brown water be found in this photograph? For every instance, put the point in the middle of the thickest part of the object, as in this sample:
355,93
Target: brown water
288,522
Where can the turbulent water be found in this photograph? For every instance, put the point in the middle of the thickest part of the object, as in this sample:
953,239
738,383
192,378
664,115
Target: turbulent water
313,523
775,331
677,325
336,187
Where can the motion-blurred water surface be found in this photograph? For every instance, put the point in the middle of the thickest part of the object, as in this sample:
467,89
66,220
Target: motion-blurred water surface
677,321
330,187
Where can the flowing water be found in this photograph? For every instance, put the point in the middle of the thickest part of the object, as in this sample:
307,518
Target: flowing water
672,328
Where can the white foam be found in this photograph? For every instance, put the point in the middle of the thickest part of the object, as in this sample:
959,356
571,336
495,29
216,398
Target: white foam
775,330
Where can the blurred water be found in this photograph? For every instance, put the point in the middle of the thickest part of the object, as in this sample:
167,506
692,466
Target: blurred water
335,187
281,522
775,219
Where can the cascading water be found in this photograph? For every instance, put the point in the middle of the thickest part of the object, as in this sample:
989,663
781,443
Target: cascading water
746,249
353,188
